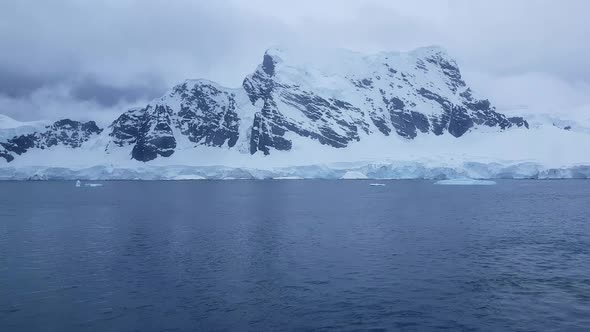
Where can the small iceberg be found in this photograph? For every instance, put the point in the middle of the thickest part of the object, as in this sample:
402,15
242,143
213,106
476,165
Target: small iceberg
93,185
188,177
78,184
287,178
465,182
377,184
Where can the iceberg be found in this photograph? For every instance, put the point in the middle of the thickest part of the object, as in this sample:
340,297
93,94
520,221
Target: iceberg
188,177
465,182
287,178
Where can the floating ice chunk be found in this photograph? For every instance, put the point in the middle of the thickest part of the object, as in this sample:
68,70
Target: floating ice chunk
377,184
92,185
353,175
185,177
78,184
465,182
287,178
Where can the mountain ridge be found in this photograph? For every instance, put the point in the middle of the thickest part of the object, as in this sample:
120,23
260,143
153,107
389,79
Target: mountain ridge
344,100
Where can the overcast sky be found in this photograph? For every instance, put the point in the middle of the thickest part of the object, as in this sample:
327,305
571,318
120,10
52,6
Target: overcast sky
95,58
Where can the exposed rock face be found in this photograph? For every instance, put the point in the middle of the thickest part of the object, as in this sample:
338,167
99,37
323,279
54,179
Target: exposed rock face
334,101
199,111
208,115
148,130
155,135
61,133
328,120
5,153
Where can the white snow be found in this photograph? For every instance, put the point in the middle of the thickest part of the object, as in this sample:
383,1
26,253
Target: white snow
10,127
8,122
547,146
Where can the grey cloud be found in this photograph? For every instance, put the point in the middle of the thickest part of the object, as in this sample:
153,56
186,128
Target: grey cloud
16,84
90,89
100,51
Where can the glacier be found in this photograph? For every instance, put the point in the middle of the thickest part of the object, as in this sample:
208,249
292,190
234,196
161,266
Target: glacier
388,170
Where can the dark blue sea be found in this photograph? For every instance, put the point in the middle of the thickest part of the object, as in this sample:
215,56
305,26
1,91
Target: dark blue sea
295,256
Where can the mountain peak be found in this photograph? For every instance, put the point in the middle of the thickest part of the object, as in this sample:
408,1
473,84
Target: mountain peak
276,52
430,50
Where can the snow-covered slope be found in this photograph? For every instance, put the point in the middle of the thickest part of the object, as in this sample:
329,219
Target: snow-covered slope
10,127
309,109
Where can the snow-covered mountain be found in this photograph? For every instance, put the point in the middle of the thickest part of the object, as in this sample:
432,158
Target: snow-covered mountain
299,107
384,94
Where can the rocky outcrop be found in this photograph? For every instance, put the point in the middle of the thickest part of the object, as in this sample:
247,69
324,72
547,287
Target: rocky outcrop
65,132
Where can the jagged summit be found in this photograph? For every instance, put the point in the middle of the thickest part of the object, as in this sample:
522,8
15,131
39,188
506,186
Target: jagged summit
332,98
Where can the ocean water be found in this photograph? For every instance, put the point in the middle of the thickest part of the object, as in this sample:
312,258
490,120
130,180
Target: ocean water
295,256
